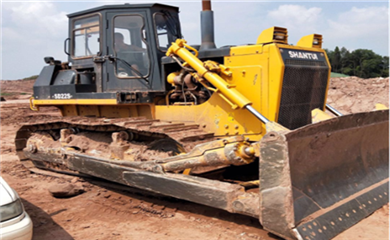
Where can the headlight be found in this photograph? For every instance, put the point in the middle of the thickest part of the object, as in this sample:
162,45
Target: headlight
11,210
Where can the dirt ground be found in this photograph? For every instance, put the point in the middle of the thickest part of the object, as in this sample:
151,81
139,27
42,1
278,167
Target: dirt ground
107,212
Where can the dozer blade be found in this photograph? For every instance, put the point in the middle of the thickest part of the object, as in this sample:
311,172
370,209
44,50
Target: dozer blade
321,179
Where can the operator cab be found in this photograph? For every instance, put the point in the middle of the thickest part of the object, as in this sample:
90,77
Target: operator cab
112,49
126,41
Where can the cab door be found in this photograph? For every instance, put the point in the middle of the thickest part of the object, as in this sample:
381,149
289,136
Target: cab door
127,40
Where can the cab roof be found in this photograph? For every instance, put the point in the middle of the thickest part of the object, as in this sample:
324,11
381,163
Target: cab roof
122,6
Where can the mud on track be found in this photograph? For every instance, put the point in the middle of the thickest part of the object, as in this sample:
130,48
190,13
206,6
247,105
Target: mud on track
106,212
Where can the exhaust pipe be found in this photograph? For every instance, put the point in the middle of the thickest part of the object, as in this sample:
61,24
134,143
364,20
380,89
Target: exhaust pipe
207,26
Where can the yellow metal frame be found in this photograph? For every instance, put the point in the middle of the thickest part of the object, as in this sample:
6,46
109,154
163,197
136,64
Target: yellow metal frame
257,74
273,35
311,41
32,105
380,106
318,115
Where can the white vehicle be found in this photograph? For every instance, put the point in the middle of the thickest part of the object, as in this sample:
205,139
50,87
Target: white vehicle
14,221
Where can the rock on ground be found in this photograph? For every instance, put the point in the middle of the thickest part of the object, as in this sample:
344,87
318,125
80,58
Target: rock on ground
65,190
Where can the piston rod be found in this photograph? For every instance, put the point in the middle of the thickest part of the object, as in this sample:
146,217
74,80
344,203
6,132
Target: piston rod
333,110
257,114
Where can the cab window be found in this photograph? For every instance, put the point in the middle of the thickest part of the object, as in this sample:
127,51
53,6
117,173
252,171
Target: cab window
167,29
86,37
161,31
130,46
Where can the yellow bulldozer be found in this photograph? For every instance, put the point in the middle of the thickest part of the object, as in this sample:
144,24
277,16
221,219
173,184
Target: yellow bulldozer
242,128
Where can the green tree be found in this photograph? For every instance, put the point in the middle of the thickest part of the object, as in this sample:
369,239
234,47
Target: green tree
371,67
336,60
357,60
362,63
385,66
343,52
346,62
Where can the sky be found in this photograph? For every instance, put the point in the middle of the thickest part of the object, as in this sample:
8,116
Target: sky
32,30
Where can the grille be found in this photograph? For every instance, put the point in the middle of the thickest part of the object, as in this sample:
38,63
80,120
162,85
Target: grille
304,87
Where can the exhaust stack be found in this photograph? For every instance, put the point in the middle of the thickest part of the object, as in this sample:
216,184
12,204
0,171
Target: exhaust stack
207,26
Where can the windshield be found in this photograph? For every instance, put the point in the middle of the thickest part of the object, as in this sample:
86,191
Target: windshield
86,37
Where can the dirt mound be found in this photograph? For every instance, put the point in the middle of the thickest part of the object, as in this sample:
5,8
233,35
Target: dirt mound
17,89
353,94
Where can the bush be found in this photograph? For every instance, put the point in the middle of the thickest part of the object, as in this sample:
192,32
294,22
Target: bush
31,78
